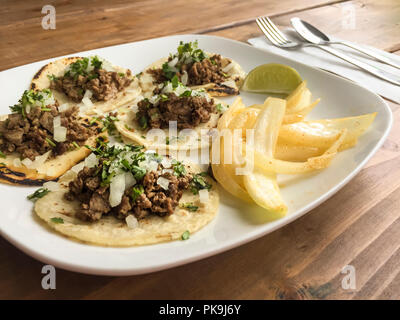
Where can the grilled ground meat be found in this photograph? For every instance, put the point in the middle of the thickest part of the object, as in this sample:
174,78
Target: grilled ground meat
206,71
189,112
27,134
202,72
104,85
93,197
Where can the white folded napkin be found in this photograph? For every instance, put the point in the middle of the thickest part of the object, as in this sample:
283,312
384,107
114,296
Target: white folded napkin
318,58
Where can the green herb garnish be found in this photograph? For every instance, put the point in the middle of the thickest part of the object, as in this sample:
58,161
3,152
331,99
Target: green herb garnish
179,168
109,124
199,183
96,62
52,77
57,220
186,235
143,122
189,206
2,155
75,145
187,93
175,81
220,107
51,143
136,192
39,193
29,98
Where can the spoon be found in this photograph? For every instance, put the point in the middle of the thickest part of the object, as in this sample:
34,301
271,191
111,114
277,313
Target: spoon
308,31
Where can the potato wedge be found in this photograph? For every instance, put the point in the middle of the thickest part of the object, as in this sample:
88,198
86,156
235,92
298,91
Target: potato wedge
262,186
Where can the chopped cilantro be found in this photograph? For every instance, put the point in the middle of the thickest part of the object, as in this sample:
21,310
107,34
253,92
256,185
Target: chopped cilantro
186,235
187,93
175,81
51,143
190,206
179,168
199,183
109,124
31,97
39,193
75,145
220,107
136,192
168,72
2,155
52,77
96,62
143,122
164,97
121,74
57,220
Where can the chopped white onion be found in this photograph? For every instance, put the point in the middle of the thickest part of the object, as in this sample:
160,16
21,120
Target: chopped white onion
228,67
149,164
203,195
130,181
117,189
28,108
27,162
166,163
168,88
78,167
60,134
87,102
40,160
17,162
173,62
64,107
107,65
184,78
163,182
52,186
170,171
57,121
131,222
91,161
180,89
88,94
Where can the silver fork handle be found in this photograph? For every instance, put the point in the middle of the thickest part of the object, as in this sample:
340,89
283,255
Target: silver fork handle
370,53
362,65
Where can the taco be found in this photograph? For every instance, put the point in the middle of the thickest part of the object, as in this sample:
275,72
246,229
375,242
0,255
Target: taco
40,141
192,111
218,75
94,84
123,196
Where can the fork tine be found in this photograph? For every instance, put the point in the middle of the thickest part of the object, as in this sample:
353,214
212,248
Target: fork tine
268,33
275,30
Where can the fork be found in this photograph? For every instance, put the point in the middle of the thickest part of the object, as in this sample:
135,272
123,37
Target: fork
279,40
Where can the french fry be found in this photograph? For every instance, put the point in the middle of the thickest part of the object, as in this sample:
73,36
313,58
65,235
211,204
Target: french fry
322,133
288,167
294,98
262,186
224,173
291,152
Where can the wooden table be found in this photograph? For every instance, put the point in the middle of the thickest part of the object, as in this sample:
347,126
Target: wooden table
358,226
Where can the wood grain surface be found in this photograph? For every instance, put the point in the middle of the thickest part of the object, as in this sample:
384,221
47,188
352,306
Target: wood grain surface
359,226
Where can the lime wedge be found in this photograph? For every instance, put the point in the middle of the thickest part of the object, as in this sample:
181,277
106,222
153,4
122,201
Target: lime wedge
272,78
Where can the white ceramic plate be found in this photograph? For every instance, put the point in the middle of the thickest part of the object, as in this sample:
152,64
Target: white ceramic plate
236,222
